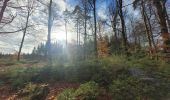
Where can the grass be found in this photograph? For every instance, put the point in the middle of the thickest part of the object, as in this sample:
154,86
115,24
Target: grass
111,72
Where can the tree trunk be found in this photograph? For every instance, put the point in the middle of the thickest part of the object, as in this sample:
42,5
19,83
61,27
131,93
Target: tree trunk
49,33
23,37
151,33
114,24
85,28
3,9
161,13
120,5
66,31
166,14
95,28
168,21
77,32
146,28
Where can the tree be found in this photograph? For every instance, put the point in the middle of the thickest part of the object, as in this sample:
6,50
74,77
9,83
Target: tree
7,17
3,9
29,11
66,16
113,17
85,7
148,32
78,21
103,46
161,16
161,13
49,31
121,15
93,6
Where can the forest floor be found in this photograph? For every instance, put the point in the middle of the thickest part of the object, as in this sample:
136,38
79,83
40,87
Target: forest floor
55,88
16,76
6,92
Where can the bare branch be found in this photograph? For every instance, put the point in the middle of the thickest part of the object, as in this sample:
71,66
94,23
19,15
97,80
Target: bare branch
16,30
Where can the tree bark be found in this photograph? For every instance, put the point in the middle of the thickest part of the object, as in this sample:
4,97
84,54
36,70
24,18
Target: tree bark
23,37
85,27
161,13
151,33
95,28
49,32
3,9
120,5
146,28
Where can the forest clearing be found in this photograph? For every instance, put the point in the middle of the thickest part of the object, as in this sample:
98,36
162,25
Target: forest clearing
84,50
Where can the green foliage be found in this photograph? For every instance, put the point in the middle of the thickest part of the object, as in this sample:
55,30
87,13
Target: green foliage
104,77
111,72
22,76
135,88
101,71
86,91
67,94
34,92
124,89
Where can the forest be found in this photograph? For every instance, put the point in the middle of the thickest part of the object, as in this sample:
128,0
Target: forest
84,49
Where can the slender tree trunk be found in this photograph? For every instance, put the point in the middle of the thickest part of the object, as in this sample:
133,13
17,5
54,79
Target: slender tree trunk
114,24
49,33
146,28
3,9
151,33
79,29
134,35
79,35
85,29
166,14
120,3
95,28
77,32
23,37
66,31
168,21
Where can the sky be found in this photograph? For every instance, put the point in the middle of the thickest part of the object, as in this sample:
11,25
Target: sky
10,43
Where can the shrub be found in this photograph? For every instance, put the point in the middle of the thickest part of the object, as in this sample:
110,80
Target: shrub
103,77
34,92
124,89
101,71
67,94
87,91
71,74
133,89
22,76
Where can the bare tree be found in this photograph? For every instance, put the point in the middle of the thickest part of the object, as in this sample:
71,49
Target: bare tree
161,16
120,13
113,17
29,11
161,13
3,8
